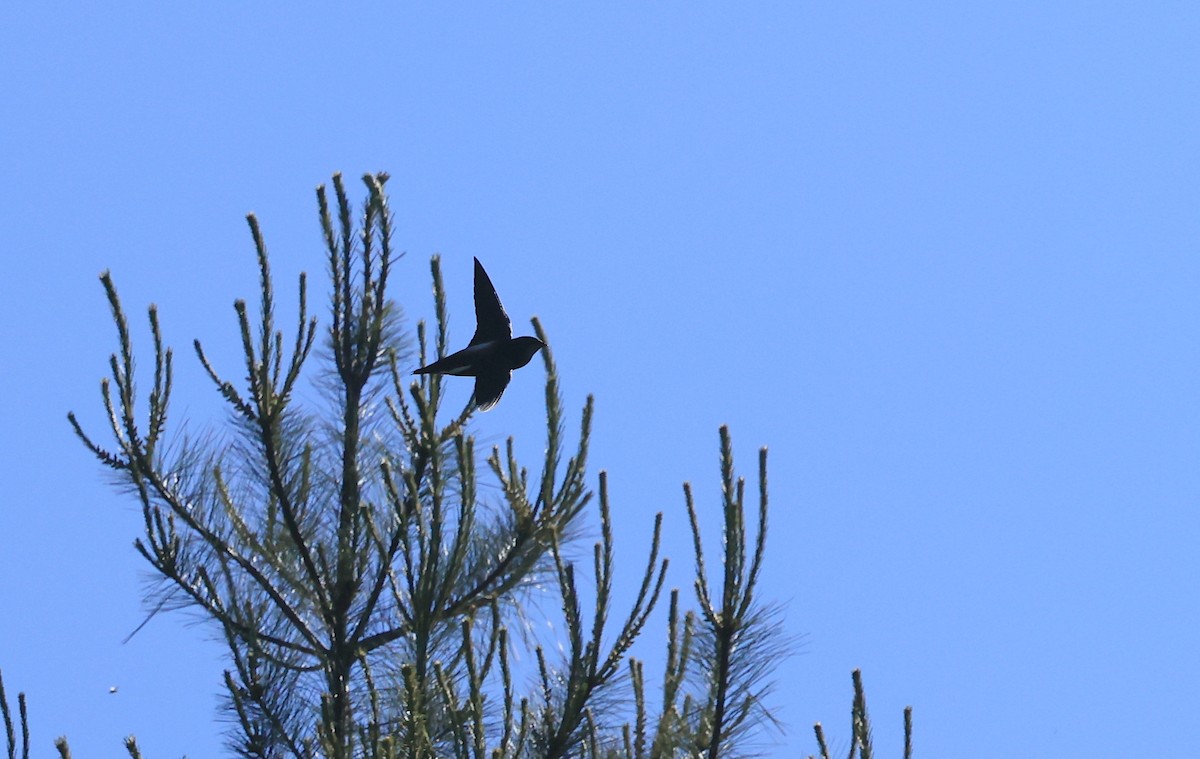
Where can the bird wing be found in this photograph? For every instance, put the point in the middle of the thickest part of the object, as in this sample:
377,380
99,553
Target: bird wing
489,387
491,322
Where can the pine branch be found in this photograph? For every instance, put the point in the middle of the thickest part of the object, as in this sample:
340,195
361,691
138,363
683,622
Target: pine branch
367,572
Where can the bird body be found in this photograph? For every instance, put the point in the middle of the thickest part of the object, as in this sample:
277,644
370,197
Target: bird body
493,352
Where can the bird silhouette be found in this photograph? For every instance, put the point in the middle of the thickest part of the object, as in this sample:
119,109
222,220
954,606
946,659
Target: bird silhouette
493,352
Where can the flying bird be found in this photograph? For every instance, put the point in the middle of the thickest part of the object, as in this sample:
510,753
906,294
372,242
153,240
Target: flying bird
493,352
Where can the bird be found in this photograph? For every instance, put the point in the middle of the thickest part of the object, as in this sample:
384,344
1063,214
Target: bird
493,352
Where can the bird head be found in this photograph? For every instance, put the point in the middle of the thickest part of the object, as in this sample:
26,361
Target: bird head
522,349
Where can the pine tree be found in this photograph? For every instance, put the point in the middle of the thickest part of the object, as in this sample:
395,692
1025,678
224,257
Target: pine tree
370,596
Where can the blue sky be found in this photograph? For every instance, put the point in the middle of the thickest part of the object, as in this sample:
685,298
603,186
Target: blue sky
940,257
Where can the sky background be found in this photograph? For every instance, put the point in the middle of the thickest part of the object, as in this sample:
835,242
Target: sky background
942,258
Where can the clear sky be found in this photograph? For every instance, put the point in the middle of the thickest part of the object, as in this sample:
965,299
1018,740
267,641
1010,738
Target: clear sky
942,258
